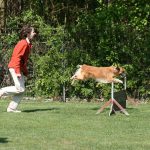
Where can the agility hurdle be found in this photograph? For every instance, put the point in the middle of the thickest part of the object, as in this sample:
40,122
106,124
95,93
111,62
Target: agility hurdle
113,102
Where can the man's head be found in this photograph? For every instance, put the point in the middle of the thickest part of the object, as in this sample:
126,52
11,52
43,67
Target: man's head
27,31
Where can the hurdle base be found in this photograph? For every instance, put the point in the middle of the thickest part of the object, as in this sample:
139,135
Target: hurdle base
112,111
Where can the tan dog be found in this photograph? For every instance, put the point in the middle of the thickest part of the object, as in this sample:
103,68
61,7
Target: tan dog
100,74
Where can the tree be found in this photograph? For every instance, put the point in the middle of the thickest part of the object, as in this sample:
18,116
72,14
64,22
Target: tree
2,14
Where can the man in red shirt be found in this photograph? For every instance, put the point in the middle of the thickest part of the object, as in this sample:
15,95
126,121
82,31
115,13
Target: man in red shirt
18,68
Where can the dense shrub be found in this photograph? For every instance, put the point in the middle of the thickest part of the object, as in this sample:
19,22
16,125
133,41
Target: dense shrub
116,33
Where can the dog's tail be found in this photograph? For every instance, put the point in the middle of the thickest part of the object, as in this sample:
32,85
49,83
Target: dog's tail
73,78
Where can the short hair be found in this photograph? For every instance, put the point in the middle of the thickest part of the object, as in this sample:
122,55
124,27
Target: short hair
25,31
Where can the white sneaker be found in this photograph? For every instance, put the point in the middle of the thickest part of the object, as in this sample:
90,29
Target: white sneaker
13,110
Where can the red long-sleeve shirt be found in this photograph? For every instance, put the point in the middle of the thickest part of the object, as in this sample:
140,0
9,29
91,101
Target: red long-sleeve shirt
20,56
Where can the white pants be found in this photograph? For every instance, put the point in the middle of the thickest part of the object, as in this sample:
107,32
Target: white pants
17,90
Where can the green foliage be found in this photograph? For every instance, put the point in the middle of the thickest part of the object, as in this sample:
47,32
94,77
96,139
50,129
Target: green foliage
103,34
51,70
118,33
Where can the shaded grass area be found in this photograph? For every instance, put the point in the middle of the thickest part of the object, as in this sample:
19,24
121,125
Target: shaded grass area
73,126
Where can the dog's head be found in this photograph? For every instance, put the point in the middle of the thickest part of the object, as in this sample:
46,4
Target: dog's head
119,71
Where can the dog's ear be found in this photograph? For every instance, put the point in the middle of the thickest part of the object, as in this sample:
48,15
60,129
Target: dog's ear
117,68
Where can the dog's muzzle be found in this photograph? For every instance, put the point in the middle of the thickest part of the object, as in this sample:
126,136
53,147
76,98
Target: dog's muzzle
123,75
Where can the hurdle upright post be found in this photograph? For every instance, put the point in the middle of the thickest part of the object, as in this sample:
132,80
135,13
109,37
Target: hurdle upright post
125,83
112,99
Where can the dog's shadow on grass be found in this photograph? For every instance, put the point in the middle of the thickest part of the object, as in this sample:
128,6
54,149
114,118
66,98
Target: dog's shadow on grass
108,109
3,140
36,110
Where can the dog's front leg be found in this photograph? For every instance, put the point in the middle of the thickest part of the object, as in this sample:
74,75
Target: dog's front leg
117,81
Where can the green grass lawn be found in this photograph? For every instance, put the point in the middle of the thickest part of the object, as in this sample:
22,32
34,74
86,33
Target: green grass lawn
73,126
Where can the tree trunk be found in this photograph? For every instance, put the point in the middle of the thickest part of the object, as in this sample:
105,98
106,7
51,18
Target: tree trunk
2,15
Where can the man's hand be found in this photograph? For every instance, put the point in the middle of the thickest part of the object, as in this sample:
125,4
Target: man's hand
18,76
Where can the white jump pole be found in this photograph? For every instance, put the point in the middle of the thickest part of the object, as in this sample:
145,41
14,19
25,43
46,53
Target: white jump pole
112,98
125,83
112,90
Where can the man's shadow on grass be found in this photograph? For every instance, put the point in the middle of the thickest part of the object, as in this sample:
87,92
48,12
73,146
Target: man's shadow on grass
35,110
3,140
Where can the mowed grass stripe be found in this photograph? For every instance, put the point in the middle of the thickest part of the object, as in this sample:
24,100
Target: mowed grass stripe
73,126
